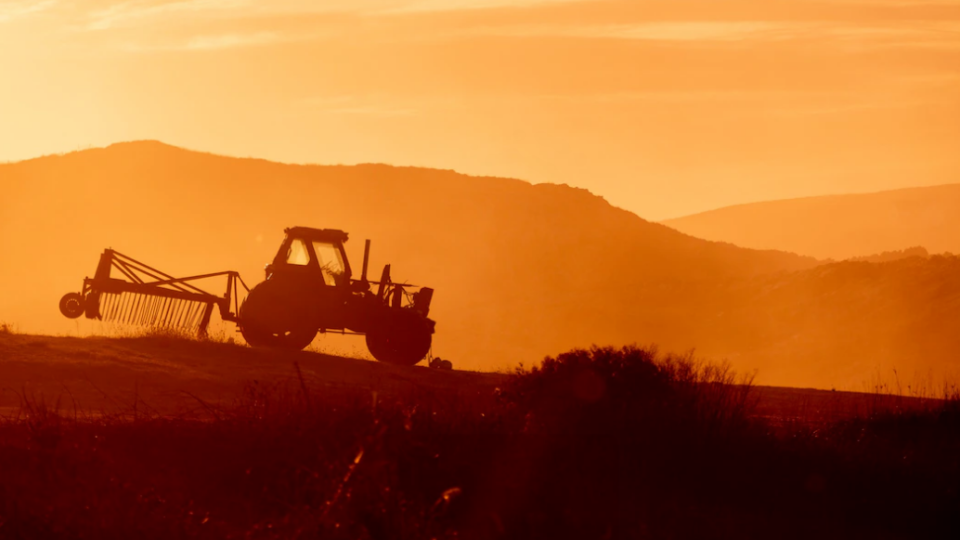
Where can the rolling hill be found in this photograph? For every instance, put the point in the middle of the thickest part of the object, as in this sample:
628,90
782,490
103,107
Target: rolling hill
838,226
521,270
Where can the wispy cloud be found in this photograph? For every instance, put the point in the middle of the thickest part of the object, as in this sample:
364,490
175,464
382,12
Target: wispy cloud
415,6
218,42
909,33
356,106
144,10
229,41
687,30
370,111
14,10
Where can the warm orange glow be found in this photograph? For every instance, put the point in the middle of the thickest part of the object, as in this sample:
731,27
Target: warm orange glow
663,107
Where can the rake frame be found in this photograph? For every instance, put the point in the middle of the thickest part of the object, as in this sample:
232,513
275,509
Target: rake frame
147,281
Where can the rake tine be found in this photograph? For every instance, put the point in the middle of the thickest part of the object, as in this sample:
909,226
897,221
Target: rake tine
136,308
185,315
198,315
165,316
181,305
171,306
179,314
171,317
133,309
154,306
158,318
158,311
145,310
193,315
111,306
188,316
148,319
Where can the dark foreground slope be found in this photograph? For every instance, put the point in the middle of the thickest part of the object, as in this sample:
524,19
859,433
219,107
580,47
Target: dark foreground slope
838,226
521,271
593,444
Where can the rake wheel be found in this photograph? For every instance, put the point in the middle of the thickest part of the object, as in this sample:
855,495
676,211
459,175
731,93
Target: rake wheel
71,305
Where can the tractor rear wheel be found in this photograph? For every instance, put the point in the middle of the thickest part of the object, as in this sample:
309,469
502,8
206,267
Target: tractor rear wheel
270,317
405,342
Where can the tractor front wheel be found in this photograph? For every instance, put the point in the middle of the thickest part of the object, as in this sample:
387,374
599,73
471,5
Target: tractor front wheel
403,343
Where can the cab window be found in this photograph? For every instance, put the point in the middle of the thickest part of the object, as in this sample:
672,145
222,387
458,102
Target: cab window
297,253
330,260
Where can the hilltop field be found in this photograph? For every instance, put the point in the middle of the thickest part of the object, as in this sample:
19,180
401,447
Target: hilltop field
172,376
521,271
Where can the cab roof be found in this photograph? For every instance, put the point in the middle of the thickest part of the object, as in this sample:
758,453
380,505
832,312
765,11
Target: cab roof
322,235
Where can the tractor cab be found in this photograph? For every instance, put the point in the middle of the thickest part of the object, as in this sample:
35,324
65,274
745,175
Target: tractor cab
316,253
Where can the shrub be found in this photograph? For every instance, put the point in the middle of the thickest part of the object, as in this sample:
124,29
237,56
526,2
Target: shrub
605,390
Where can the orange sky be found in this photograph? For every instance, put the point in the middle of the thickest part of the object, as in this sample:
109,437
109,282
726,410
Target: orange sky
663,107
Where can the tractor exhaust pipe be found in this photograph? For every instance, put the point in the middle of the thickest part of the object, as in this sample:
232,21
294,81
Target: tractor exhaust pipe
366,260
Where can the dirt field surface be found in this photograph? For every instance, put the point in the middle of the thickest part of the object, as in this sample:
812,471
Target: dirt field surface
163,375
172,376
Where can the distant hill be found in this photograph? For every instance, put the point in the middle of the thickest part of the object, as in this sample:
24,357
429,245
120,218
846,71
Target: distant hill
520,270
838,226
890,256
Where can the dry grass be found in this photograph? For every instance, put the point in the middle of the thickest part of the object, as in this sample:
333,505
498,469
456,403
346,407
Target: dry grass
603,443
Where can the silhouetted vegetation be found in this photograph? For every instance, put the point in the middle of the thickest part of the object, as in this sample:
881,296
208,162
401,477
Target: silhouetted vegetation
600,443
895,255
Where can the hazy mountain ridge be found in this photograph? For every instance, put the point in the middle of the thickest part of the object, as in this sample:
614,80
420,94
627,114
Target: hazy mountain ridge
520,270
839,226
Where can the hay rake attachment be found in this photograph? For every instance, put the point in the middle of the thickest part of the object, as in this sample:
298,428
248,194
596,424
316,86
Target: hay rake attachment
145,296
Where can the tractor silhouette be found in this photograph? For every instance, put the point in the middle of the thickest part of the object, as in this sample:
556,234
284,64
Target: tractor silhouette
309,289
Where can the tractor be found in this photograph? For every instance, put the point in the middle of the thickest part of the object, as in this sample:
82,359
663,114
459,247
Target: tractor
309,288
